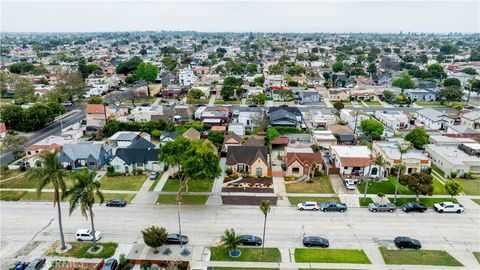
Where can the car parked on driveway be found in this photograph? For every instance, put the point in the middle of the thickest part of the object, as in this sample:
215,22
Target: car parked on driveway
116,203
307,206
110,264
448,207
350,184
153,175
406,242
414,207
315,241
333,207
87,235
250,240
176,239
381,207
36,264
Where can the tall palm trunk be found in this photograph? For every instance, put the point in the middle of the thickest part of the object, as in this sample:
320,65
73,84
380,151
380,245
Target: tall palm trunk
93,227
367,181
264,227
398,178
60,226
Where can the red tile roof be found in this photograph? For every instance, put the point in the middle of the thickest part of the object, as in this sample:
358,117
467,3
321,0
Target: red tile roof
355,161
219,128
280,141
95,108
304,158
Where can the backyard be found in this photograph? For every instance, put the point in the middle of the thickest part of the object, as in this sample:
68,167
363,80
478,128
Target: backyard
331,256
419,257
318,185
132,183
220,253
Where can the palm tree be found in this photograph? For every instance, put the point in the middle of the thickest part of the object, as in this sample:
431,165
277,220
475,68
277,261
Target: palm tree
50,172
230,240
265,208
369,174
402,149
83,194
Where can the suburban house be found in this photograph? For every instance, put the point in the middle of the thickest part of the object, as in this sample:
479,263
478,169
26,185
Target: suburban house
392,119
309,96
433,119
471,119
274,80
339,94
34,152
413,160
322,118
91,155
191,133
353,118
249,118
324,138
353,161
187,76
168,136
420,95
214,115
237,128
96,115
285,116
145,113
280,93
173,91
232,140
462,131
126,138
140,155
299,164
252,160
452,161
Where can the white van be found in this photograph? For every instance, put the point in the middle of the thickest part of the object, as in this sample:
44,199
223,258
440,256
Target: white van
86,235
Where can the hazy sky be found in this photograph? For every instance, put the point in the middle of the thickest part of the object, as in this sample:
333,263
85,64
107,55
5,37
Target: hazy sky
241,16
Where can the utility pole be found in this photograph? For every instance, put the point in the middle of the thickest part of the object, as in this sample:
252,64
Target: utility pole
355,127
179,224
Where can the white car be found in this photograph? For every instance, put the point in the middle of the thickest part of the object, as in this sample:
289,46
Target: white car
350,184
308,206
86,235
448,207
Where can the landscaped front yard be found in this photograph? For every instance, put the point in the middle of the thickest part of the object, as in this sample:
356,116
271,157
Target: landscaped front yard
373,103
11,195
471,186
186,199
388,187
79,250
368,201
296,200
192,186
220,253
133,182
318,185
419,257
311,255
429,202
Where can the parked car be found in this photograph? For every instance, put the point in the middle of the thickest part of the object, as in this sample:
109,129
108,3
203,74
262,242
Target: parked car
250,240
86,235
117,203
381,207
448,207
414,207
315,241
153,175
176,239
252,105
407,242
36,264
350,184
18,265
469,107
333,207
307,206
110,264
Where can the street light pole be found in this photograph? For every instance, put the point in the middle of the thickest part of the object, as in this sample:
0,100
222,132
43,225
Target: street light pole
179,224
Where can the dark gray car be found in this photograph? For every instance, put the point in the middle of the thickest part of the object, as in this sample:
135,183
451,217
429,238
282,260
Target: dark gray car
382,207
315,241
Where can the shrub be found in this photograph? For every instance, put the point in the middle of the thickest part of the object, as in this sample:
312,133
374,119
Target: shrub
156,134
110,168
289,178
113,174
229,171
453,174
122,260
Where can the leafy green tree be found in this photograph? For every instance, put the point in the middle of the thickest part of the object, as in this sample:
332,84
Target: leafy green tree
14,143
437,71
12,115
83,68
154,237
388,95
286,95
452,82
195,159
272,133
372,68
83,194
337,67
215,137
338,105
23,89
147,72
403,81
230,240
451,93
417,137
418,183
21,67
128,66
36,117
372,128
469,71
70,84
259,98
265,207
92,68
275,70
258,81
453,187
95,100
50,173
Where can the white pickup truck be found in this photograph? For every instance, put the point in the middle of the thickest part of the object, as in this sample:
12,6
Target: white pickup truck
448,207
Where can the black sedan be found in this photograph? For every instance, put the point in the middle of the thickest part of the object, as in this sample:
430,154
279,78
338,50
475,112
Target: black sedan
36,264
117,203
414,207
315,241
406,242
110,264
250,240
176,239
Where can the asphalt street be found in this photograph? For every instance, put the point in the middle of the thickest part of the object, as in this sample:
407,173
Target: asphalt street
23,222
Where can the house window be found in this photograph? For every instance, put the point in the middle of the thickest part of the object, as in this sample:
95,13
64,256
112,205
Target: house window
295,170
91,163
259,171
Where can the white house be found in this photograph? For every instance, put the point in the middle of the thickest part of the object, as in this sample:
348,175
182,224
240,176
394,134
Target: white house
144,113
433,119
187,77
141,155
353,118
392,119
322,118
471,119
451,159
354,161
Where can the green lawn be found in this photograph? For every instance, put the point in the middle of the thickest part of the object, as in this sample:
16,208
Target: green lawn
133,182
48,196
437,170
221,102
192,186
373,103
388,187
429,202
296,200
11,195
367,201
79,250
477,256
471,187
419,257
186,199
19,182
5,173
477,201
331,256
319,185
220,253
429,103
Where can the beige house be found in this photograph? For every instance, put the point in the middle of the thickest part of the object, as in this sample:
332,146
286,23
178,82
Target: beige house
253,160
413,160
299,164
95,115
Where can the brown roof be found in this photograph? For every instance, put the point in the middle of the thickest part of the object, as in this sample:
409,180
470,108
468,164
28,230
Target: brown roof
355,161
252,141
304,158
234,137
340,129
219,128
246,154
191,133
95,108
280,141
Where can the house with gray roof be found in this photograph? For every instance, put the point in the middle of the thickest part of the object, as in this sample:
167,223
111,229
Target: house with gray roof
141,155
91,155
471,119
249,159
433,119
